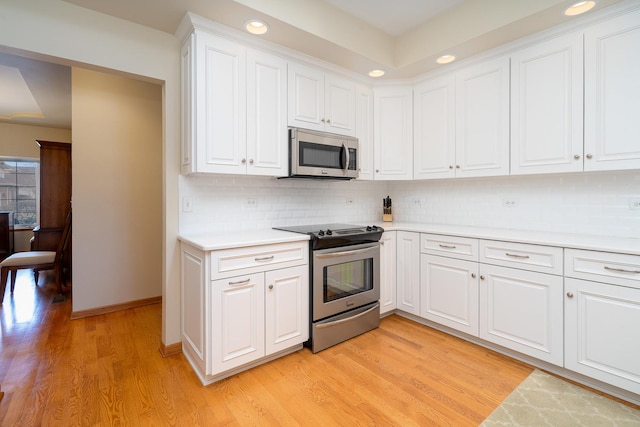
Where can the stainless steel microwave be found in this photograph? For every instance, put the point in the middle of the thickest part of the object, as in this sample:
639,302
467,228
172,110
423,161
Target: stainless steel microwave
314,154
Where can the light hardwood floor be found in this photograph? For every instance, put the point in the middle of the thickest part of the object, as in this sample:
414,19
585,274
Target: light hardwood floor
106,370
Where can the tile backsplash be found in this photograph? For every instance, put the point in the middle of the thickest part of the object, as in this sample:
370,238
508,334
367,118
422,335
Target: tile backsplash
588,203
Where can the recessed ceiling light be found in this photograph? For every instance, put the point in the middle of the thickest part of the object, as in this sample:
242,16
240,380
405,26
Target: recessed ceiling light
445,59
376,73
256,26
579,7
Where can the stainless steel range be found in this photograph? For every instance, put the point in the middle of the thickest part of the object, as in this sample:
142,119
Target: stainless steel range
345,281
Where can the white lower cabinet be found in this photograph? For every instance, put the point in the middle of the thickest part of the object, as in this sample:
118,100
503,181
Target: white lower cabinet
522,310
286,308
237,322
258,315
602,339
449,292
388,272
408,274
602,314
232,321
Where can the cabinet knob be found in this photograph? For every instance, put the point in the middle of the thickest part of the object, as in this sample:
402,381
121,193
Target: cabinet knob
270,287
382,243
243,161
322,120
329,121
473,275
576,156
457,166
569,294
450,166
481,277
589,156
377,170
250,161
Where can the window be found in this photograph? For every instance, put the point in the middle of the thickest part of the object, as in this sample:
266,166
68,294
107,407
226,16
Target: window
19,190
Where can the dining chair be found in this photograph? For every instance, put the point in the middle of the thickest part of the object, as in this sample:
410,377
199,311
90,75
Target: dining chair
36,260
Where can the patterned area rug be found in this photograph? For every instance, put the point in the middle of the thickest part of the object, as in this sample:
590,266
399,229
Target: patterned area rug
544,400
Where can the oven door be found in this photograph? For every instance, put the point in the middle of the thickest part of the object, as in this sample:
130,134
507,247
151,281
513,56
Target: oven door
345,278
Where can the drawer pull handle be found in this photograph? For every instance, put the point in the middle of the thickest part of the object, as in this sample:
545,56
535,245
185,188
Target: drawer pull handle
517,256
447,246
621,270
264,258
239,282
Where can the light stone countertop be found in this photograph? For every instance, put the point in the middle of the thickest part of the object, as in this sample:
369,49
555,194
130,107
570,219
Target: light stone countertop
237,239
234,239
548,238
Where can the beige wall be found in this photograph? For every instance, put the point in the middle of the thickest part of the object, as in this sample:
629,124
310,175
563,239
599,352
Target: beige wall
20,140
117,189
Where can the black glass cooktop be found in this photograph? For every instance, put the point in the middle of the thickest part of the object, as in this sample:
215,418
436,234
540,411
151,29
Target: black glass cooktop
314,228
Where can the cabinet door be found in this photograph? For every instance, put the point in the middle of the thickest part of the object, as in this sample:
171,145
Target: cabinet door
434,129
306,97
408,265
546,107
267,148
612,94
482,119
601,335
237,322
388,272
522,310
286,308
393,133
364,131
221,105
449,292
340,108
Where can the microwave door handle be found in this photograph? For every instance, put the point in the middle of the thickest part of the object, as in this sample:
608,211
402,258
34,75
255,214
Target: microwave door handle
345,158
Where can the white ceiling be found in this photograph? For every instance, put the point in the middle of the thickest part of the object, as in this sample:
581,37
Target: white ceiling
50,85
403,37
395,17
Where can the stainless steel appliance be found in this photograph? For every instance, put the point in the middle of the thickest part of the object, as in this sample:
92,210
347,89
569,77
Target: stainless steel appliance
345,281
315,154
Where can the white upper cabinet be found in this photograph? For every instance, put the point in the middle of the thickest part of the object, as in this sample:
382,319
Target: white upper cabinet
547,107
364,131
461,123
434,129
612,94
482,119
393,133
267,149
321,101
234,109
219,91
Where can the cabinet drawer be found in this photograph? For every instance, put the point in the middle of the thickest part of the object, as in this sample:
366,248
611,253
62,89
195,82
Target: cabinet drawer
450,246
252,259
545,259
606,267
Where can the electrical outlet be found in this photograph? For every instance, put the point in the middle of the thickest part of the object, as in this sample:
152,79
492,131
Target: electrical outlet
187,206
250,203
634,203
416,202
509,203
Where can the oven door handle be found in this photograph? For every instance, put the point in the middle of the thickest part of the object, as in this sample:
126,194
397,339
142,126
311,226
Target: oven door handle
337,254
348,319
